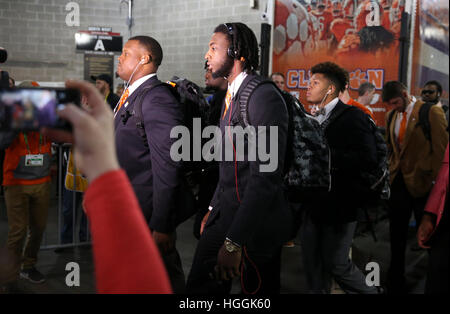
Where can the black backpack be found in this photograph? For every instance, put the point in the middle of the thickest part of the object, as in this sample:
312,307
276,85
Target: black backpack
193,105
307,163
378,179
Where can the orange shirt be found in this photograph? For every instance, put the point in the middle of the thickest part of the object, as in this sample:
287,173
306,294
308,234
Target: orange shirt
324,19
17,149
354,103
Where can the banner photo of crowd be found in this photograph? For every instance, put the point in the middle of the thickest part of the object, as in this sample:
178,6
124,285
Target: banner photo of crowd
362,36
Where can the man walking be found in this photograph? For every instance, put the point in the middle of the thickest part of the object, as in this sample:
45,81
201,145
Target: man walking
156,179
415,156
330,220
249,218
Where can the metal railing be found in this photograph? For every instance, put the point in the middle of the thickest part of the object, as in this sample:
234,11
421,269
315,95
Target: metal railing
49,240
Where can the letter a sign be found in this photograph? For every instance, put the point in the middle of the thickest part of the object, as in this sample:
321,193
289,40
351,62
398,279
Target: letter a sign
99,45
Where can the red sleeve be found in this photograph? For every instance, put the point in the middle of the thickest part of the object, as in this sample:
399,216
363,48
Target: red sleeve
439,193
125,256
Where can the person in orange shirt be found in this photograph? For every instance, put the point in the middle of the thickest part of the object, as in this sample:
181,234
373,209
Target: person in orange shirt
26,181
346,99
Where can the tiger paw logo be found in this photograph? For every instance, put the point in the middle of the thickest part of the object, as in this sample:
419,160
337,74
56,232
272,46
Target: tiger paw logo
374,76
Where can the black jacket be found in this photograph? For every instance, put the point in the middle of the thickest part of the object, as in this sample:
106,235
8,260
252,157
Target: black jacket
353,149
112,100
156,179
260,218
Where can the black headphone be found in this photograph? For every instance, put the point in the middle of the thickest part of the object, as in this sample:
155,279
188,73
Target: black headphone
231,52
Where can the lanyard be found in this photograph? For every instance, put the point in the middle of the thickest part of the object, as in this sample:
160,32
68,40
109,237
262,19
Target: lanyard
106,97
26,142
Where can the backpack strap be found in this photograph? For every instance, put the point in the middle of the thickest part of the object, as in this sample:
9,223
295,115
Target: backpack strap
245,95
424,121
137,110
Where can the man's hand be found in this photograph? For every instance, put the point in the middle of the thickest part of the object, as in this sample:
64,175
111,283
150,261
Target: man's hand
425,229
164,241
93,132
228,264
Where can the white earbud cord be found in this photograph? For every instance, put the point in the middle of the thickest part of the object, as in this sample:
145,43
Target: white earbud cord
127,85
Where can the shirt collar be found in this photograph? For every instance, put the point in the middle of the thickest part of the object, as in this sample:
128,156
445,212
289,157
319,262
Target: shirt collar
234,86
410,106
138,83
328,109
330,106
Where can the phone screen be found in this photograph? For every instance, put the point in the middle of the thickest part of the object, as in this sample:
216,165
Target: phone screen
33,108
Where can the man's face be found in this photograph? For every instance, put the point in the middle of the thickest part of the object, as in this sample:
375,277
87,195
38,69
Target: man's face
279,81
318,87
398,103
132,53
102,86
366,99
430,93
219,63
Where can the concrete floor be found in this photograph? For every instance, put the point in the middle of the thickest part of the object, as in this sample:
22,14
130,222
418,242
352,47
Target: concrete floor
53,265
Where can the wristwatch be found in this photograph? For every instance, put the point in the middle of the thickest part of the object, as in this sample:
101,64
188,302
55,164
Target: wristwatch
231,246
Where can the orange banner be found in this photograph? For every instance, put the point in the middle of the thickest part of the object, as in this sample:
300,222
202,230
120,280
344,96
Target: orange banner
360,36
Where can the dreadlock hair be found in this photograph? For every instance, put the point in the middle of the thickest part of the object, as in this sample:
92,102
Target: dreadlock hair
337,75
244,43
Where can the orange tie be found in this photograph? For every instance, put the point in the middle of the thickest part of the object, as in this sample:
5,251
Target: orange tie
402,131
123,99
227,102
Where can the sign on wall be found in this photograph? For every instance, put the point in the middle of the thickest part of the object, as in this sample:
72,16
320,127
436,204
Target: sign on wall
98,41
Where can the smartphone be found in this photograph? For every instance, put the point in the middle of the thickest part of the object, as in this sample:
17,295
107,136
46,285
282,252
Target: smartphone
29,109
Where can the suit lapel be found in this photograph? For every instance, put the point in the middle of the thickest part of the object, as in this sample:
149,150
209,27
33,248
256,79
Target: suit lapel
130,100
412,122
392,133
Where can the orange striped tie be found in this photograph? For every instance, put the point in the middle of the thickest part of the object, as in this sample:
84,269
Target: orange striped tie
402,131
227,102
122,99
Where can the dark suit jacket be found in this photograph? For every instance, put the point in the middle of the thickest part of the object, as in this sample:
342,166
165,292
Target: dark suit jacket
112,100
261,220
353,149
155,177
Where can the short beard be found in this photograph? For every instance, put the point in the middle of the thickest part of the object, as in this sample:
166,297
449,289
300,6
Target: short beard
225,69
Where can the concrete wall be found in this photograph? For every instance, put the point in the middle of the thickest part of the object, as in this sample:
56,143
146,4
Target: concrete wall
41,46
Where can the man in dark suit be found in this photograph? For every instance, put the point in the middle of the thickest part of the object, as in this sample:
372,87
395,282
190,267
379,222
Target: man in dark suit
330,222
249,217
155,177
104,84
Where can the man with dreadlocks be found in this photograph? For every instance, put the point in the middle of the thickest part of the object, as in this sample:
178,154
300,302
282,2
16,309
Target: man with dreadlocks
249,218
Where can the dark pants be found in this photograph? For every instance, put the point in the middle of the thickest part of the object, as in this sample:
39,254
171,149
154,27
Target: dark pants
325,251
71,211
261,269
401,205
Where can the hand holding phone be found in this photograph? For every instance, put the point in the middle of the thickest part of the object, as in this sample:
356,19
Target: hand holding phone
92,132
29,109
